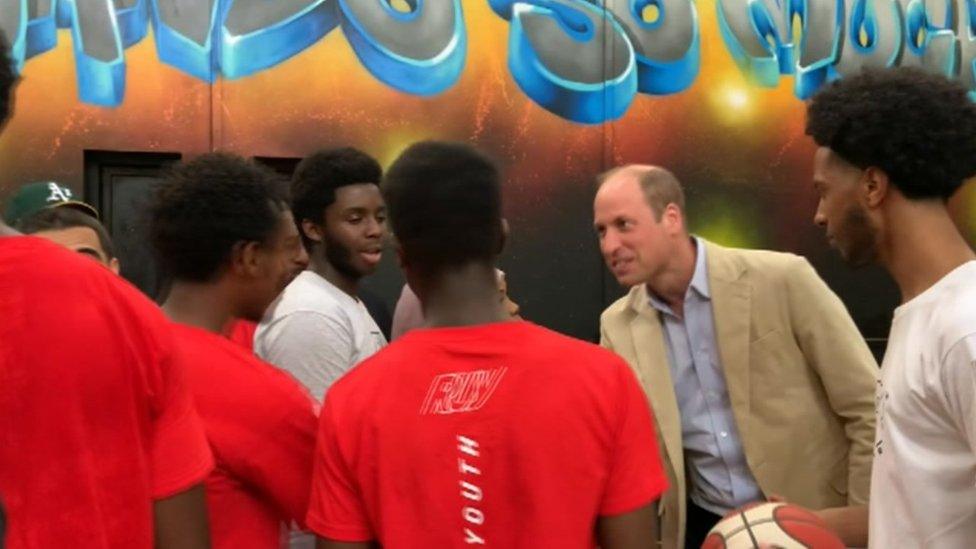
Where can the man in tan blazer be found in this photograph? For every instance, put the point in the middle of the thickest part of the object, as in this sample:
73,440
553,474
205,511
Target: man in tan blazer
759,381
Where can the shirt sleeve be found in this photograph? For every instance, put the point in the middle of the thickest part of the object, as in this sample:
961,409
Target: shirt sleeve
179,451
958,378
636,475
317,349
834,348
336,509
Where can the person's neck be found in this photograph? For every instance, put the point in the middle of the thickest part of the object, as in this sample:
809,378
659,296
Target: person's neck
464,296
672,285
319,265
921,247
203,305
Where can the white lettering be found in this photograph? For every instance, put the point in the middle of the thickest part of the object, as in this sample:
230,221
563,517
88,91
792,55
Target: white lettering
471,538
471,491
468,446
473,515
464,467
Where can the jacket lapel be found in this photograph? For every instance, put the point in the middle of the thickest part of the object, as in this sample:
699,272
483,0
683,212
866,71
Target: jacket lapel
655,375
731,304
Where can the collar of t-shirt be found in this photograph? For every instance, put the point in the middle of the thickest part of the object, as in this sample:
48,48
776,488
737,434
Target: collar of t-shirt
501,330
965,271
314,279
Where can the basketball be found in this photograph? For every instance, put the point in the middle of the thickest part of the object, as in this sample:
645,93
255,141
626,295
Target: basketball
774,525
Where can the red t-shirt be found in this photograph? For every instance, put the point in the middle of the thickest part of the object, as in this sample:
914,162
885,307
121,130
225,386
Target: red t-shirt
505,434
95,418
241,332
261,425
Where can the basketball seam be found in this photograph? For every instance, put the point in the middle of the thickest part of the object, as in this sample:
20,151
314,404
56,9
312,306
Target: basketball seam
742,516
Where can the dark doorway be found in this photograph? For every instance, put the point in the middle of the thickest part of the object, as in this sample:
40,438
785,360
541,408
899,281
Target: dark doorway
120,185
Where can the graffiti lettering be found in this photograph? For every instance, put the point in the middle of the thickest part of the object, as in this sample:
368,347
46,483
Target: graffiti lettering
41,28
598,83
841,37
13,23
584,60
420,52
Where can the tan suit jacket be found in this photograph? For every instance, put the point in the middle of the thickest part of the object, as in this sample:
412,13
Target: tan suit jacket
800,378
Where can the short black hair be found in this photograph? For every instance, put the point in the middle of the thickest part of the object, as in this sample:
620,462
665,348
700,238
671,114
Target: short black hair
206,206
919,127
318,175
445,205
7,79
66,217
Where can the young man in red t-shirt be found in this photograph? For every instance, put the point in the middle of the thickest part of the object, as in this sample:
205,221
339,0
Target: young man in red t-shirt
100,446
222,231
479,430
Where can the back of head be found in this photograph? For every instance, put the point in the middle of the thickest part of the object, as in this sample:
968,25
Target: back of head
918,127
207,206
317,176
444,201
56,219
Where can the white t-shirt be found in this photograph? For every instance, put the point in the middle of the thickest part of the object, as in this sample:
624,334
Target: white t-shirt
923,484
316,332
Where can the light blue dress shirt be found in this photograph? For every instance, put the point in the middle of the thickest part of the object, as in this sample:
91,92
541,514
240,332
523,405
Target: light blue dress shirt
719,479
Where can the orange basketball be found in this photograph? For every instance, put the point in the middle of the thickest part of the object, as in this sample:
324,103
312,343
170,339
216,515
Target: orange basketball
777,525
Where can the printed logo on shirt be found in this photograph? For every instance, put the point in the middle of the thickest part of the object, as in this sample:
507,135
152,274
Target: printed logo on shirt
461,391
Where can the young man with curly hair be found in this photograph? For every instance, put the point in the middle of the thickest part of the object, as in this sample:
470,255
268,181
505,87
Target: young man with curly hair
894,146
319,328
223,233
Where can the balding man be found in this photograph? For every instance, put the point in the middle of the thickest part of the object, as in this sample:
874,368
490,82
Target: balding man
759,380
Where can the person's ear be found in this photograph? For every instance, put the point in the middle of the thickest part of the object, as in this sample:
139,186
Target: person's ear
673,219
875,185
312,230
245,258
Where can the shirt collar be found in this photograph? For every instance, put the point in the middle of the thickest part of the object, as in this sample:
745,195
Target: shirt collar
699,280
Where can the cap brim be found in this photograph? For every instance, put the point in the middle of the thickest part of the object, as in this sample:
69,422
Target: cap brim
80,206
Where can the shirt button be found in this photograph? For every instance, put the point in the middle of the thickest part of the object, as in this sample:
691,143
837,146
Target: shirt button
724,434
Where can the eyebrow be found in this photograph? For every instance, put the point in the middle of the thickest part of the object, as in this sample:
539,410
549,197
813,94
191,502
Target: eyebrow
361,210
92,252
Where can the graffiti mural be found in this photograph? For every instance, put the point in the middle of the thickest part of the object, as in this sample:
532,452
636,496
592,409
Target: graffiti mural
556,90
582,60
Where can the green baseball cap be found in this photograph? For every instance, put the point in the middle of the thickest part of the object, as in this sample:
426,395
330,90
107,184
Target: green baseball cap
34,197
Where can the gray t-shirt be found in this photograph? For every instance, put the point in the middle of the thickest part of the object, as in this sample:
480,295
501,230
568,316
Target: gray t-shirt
316,332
